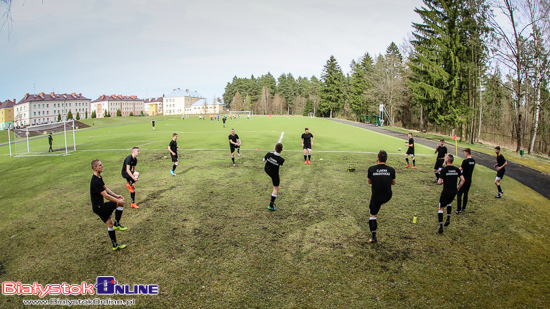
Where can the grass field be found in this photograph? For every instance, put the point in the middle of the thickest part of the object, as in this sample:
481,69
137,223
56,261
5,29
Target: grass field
207,239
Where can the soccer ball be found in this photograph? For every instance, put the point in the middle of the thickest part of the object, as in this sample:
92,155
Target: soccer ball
399,149
136,174
90,137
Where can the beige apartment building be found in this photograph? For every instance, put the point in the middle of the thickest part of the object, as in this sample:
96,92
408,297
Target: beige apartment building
111,104
45,108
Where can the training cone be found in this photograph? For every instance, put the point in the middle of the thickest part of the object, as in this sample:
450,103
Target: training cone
414,219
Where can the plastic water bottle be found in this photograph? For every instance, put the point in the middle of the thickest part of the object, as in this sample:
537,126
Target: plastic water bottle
414,219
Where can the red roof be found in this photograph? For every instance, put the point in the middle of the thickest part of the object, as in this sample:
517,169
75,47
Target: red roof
115,97
51,97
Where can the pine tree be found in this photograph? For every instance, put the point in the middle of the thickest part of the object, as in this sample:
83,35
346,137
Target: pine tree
77,116
358,88
332,88
437,65
94,115
69,115
237,102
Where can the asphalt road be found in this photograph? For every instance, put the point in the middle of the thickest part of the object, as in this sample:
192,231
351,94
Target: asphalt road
536,180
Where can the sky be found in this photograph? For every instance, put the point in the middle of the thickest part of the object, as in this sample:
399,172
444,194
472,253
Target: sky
148,48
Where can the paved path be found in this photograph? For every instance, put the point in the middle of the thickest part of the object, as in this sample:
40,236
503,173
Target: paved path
536,180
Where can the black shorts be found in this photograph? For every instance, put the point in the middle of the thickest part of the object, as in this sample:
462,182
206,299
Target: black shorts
376,203
307,146
500,174
275,179
465,187
410,152
174,158
105,211
439,164
127,177
446,199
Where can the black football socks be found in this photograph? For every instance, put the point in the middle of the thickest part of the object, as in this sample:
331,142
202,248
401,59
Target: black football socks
118,215
373,226
272,203
113,236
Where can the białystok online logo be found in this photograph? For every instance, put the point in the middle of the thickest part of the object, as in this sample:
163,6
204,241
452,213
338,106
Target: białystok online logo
105,285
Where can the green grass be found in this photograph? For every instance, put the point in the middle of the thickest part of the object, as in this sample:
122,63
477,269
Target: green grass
538,162
207,239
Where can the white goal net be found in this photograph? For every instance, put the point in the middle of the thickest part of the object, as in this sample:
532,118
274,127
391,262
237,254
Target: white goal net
310,115
56,138
241,114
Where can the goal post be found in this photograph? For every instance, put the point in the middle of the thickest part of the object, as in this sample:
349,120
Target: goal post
35,140
248,114
310,115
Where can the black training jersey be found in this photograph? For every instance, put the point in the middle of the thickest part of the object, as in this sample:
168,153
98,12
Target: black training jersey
411,142
272,162
449,174
50,139
501,161
96,187
173,146
307,138
468,168
381,176
233,138
441,152
129,161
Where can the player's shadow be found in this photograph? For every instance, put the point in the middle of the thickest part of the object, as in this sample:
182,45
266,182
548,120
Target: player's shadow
185,170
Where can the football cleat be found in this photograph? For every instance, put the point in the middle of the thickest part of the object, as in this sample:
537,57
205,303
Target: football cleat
172,173
373,240
407,165
447,222
414,167
435,181
130,188
440,229
119,247
271,208
120,227
305,162
499,195
308,162
134,205
458,212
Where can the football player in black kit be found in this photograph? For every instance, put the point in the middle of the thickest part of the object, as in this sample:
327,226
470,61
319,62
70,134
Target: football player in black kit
501,169
307,143
272,162
448,176
98,191
234,143
173,148
130,174
467,169
441,151
410,151
382,177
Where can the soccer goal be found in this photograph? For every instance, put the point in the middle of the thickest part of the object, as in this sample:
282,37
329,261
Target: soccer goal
246,114
35,140
310,115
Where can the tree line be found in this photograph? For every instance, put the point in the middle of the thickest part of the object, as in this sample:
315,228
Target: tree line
461,70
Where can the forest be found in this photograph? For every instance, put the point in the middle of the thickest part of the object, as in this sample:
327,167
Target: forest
478,68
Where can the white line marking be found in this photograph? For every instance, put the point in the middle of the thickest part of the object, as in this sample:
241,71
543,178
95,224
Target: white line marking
144,144
281,138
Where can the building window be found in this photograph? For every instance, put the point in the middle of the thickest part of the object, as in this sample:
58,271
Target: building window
34,113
